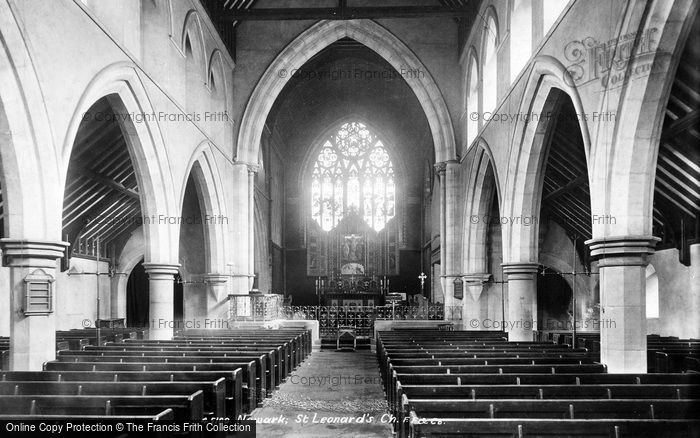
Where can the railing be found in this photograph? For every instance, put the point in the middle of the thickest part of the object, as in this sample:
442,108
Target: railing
269,307
259,307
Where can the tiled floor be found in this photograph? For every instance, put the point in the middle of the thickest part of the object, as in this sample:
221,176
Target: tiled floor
341,387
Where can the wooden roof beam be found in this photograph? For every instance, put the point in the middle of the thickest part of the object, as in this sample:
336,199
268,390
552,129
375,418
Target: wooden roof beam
342,13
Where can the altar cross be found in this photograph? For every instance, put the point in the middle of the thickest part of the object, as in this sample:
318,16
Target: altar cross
422,278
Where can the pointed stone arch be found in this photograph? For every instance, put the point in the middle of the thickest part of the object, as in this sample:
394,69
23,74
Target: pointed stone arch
192,29
481,186
29,165
210,192
315,39
526,165
639,105
122,86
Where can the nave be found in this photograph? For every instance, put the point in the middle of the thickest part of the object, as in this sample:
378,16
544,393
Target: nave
416,383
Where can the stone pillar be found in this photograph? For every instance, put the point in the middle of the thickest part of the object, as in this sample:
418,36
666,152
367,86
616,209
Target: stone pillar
117,297
161,282
694,293
240,225
471,306
622,263
521,318
32,335
252,170
217,296
440,169
450,240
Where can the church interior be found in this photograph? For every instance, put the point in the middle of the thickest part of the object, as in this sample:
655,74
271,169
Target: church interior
381,218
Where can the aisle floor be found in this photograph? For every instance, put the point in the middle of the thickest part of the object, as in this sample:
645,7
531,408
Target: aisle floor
343,388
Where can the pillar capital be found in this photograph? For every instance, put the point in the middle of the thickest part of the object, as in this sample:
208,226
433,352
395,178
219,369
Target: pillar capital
476,279
474,282
215,278
251,168
441,167
520,270
32,252
622,250
161,269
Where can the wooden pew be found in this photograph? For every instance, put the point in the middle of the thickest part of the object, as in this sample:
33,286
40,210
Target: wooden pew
672,361
232,379
522,427
437,381
268,376
283,355
691,365
214,392
250,388
268,360
186,408
300,339
573,409
552,391
456,379
296,348
650,409
392,378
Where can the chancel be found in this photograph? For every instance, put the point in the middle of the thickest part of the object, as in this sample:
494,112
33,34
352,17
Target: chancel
411,218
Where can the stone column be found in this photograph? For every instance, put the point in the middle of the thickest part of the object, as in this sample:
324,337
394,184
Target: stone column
32,336
161,282
471,306
450,240
440,169
240,225
694,293
252,170
117,297
521,318
622,264
217,296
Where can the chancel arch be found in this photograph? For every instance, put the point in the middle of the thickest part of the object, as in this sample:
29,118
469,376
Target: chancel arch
314,40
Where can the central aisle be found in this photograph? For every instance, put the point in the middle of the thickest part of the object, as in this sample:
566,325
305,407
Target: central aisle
341,387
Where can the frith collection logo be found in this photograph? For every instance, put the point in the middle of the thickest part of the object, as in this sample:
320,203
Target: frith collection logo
608,61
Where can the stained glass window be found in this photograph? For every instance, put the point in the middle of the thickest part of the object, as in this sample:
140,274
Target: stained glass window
353,173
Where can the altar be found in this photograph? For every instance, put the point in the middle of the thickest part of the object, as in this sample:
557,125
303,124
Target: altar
351,290
352,299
